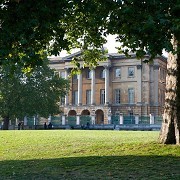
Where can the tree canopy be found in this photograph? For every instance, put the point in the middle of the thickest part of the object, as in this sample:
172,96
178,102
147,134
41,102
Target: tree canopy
30,28
32,94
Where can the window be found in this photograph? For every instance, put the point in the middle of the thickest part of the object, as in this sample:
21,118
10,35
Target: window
118,73
88,97
88,74
117,96
131,95
75,77
75,97
102,73
102,96
56,73
62,74
62,100
131,72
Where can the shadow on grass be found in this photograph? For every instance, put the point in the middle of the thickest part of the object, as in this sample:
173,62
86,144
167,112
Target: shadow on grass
94,167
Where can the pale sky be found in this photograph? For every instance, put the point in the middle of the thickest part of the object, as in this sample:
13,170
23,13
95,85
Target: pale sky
110,45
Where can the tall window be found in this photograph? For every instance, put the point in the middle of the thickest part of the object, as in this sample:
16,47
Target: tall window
131,72
102,96
88,97
117,96
75,97
131,95
75,77
62,100
62,74
117,73
102,73
88,75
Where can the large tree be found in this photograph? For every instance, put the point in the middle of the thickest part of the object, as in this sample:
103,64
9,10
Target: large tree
145,26
37,93
30,27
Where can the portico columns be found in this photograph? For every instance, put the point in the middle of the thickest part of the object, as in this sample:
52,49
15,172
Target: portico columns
67,96
156,90
106,85
79,89
93,89
139,83
156,72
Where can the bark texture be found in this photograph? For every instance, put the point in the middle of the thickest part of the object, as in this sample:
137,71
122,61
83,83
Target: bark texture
169,133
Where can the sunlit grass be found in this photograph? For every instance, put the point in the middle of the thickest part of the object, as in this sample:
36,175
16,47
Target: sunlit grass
79,154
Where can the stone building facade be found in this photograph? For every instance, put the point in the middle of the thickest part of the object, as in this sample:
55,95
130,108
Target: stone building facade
117,86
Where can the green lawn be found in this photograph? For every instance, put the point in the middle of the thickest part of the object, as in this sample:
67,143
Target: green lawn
81,154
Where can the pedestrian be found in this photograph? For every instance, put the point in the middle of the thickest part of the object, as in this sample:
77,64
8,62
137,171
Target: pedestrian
87,126
45,125
50,125
22,125
19,125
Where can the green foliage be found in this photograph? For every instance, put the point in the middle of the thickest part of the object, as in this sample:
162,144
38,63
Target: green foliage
145,26
30,28
29,94
90,58
62,154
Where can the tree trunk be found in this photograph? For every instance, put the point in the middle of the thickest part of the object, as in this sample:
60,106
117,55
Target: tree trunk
170,129
6,123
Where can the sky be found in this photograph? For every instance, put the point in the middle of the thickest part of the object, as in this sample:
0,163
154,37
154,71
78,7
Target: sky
110,45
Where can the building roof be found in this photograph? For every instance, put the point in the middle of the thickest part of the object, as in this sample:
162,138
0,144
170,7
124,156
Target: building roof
56,60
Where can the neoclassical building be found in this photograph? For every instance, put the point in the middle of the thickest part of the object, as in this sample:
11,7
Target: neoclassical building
117,86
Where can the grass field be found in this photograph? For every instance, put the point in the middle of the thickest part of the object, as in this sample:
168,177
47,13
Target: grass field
83,154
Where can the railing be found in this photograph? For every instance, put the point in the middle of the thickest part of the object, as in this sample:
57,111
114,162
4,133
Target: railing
129,119
71,120
115,119
86,119
144,120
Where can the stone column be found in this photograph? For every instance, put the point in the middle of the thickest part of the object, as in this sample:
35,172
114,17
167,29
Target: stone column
49,119
34,120
63,120
67,96
109,116
79,89
139,84
121,118
136,118
25,120
151,118
106,85
93,88
156,74
77,119
93,119
16,121
109,119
